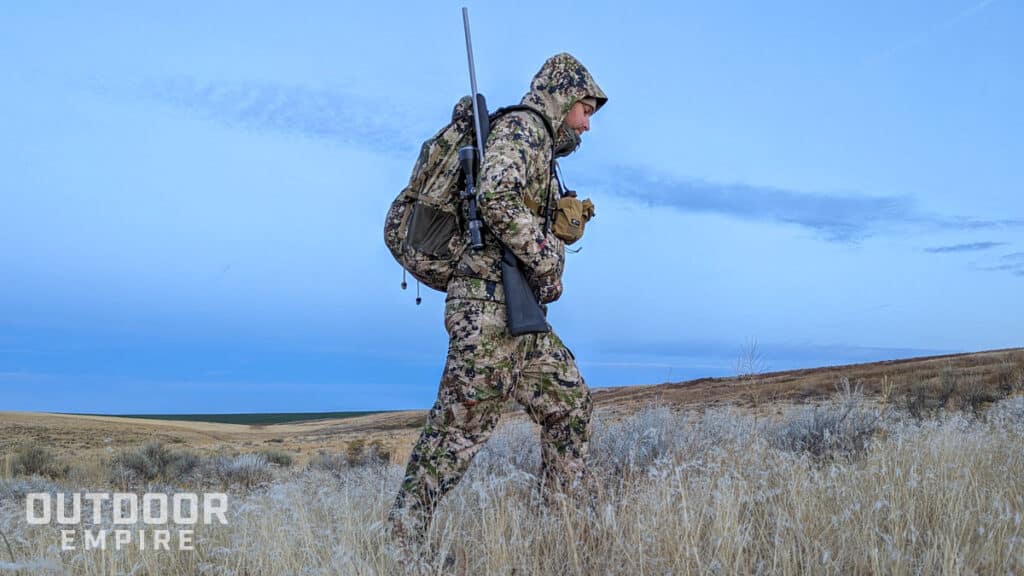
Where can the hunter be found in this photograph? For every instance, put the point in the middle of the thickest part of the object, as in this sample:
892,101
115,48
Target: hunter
486,365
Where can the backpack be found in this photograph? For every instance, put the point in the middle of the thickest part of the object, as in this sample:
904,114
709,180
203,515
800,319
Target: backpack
424,228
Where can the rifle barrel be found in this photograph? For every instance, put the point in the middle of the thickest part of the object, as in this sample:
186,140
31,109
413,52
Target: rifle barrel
472,84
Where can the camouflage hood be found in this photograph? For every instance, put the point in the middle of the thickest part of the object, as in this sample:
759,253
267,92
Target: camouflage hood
559,84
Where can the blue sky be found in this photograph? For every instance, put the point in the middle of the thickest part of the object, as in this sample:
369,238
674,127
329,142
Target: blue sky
192,195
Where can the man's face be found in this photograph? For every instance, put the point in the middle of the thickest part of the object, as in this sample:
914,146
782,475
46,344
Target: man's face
579,117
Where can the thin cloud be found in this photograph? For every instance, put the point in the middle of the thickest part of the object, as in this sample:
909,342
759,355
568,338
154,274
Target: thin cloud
968,224
837,218
329,114
845,218
1015,269
25,377
920,37
382,127
972,247
967,12
1012,263
346,118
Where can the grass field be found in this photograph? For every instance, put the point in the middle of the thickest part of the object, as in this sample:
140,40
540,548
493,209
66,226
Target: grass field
908,467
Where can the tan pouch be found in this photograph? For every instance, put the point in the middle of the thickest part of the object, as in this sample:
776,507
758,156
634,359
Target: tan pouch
571,217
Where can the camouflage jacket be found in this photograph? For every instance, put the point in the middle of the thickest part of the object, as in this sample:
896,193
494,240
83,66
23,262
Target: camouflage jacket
517,166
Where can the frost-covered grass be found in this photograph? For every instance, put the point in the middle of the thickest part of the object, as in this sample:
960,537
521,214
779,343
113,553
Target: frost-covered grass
836,489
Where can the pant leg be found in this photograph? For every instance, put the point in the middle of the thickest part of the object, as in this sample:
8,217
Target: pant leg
475,383
555,396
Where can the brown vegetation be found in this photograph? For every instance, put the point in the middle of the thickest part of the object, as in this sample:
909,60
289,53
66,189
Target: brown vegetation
950,381
922,386
871,468
845,486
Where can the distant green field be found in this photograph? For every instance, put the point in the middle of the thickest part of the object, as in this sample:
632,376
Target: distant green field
264,418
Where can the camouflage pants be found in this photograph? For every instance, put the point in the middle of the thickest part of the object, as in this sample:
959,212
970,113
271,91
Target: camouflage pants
485,366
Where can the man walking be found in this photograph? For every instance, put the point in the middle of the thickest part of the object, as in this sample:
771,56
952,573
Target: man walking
486,364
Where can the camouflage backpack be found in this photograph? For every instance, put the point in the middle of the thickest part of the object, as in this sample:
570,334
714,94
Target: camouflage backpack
425,223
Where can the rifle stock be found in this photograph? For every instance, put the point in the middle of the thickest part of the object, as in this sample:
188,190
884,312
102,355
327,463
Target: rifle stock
525,316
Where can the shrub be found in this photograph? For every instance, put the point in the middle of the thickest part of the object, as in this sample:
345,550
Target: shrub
1009,377
888,389
332,463
355,451
378,453
153,461
1008,414
915,402
246,470
843,429
973,394
925,398
358,452
636,442
968,390
31,459
948,383
14,489
278,457
513,448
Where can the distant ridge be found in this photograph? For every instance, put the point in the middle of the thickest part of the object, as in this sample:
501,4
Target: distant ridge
252,418
991,372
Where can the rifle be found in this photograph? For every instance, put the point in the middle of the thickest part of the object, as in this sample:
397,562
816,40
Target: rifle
525,316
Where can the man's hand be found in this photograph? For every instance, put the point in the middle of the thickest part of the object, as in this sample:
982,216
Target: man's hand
546,277
550,260
548,291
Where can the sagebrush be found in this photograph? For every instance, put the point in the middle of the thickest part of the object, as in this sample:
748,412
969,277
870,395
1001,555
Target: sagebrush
840,488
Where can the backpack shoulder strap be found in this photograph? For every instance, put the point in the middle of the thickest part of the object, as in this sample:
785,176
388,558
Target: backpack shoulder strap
523,108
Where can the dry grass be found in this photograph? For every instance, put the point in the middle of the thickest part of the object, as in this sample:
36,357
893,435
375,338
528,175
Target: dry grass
995,374
89,439
913,467
6,465
34,459
716,492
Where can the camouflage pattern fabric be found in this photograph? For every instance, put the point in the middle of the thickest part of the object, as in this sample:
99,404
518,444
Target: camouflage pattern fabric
485,367
432,185
516,167
485,364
